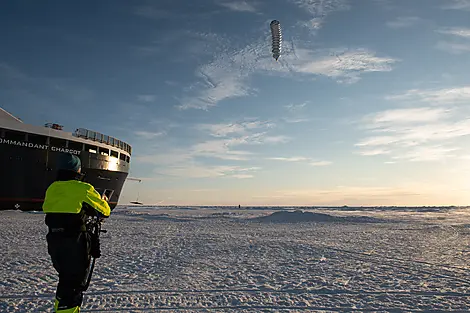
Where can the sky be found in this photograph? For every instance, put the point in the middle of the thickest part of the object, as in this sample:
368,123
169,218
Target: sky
369,103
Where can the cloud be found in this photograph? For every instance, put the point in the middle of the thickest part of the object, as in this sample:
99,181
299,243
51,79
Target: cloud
408,193
187,45
373,151
377,141
410,134
314,24
200,171
223,148
227,76
242,176
459,41
404,116
457,5
247,132
149,135
320,9
296,120
220,149
419,133
222,130
455,31
166,157
435,96
310,161
289,159
404,22
427,153
217,87
252,139
147,98
296,113
348,67
347,191
320,163
453,47
239,6
223,78
295,107
190,161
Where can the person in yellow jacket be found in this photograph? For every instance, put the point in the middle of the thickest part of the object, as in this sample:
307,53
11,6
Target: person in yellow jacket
67,204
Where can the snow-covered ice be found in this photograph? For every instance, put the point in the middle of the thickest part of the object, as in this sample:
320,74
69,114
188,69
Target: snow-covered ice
251,260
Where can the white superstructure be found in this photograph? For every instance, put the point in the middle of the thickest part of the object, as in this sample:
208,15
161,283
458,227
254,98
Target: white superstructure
96,142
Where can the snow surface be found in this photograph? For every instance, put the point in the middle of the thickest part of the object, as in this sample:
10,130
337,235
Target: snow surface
253,260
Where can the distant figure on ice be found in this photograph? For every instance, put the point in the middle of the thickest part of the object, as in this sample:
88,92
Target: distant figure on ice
67,203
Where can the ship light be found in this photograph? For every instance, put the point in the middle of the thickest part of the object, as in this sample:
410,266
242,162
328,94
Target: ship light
113,163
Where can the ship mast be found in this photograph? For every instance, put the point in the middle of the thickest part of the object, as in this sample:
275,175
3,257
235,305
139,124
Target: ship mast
138,192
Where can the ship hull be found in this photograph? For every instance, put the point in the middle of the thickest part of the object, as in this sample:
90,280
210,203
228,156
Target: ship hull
26,172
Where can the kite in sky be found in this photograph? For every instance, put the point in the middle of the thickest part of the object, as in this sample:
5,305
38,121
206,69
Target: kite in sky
276,38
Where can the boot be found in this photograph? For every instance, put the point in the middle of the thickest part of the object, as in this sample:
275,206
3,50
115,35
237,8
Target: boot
71,310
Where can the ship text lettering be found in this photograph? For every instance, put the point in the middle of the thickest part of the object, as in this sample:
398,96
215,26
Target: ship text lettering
37,146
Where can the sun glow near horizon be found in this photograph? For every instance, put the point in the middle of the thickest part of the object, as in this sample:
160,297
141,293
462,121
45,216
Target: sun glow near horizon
406,195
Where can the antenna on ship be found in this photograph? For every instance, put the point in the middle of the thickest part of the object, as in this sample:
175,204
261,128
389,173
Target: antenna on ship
138,190
54,126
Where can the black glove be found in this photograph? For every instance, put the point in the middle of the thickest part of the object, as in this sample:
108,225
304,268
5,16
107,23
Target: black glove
100,217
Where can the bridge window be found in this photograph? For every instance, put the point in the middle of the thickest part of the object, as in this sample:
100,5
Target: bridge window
91,135
91,149
128,159
81,132
14,135
103,151
75,145
122,156
37,139
57,142
114,154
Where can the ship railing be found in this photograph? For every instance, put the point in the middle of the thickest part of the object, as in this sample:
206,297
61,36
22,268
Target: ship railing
98,137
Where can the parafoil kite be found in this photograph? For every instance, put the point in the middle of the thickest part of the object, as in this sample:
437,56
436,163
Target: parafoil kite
276,38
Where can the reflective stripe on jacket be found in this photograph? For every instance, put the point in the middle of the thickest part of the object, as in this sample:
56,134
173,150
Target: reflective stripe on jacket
68,197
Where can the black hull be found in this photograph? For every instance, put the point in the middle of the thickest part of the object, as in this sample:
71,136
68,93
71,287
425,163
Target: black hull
26,173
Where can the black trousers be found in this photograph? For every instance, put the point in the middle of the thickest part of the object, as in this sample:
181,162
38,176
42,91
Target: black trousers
70,254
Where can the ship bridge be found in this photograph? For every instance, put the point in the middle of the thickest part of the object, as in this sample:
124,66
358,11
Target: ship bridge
98,137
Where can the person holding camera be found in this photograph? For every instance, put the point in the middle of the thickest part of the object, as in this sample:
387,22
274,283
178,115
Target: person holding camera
68,203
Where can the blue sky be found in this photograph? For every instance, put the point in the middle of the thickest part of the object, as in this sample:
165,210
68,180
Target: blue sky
369,103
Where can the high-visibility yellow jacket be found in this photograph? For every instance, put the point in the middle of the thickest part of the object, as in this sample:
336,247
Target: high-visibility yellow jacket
68,197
